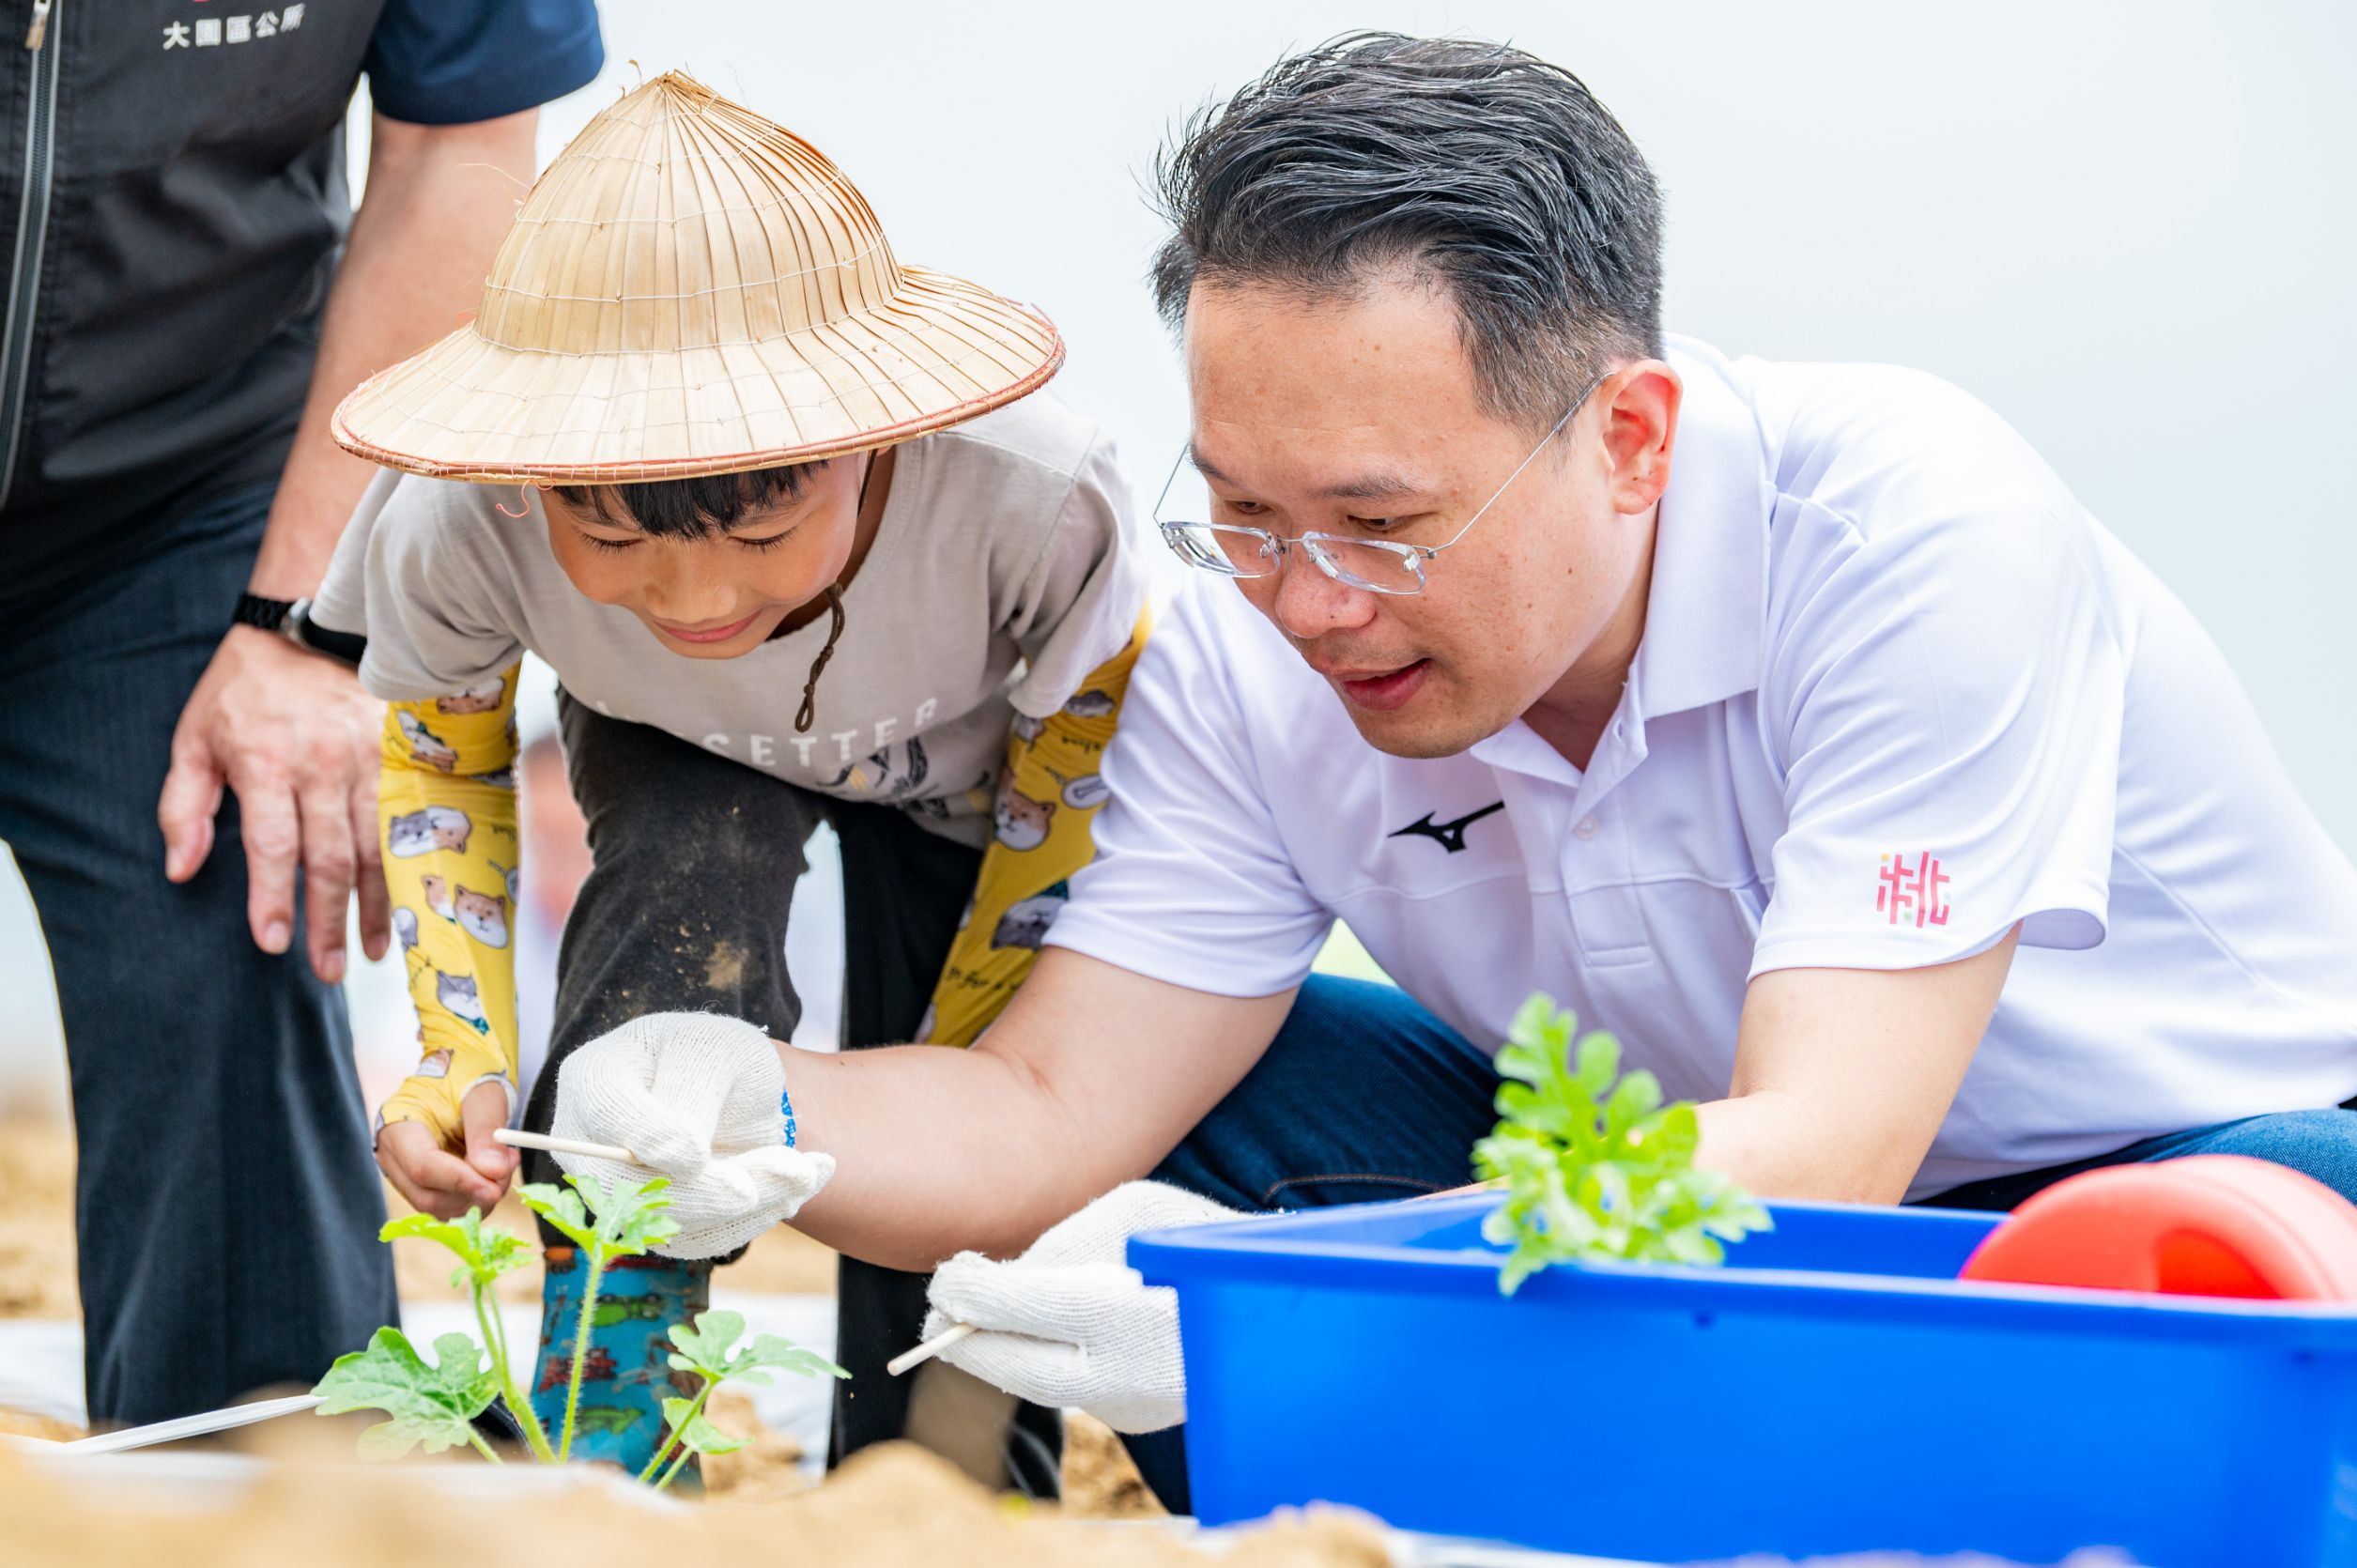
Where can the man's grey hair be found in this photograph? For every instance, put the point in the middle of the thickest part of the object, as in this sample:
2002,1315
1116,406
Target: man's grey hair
1487,170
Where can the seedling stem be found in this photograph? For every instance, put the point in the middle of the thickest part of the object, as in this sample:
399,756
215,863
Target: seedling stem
435,1404
580,1349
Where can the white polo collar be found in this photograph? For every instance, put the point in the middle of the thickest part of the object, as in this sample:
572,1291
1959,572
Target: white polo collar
1706,611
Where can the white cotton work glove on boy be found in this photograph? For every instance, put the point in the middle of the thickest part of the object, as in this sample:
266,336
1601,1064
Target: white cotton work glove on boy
1070,1322
697,1098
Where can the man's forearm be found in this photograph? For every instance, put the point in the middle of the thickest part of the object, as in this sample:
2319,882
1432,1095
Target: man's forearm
937,1150
1769,1143
439,200
1089,1078
1843,1076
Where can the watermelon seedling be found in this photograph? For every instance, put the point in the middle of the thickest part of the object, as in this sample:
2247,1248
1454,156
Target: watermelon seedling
433,1405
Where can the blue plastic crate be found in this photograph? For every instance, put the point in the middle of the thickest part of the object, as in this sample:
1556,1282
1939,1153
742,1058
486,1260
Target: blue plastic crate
1833,1388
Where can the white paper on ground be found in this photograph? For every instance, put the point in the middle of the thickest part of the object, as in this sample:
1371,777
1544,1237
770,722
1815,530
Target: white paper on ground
194,1426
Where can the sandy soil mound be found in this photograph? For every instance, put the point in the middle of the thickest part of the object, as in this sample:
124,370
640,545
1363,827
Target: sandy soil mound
23,1423
36,1280
765,1469
37,1221
1100,1481
893,1507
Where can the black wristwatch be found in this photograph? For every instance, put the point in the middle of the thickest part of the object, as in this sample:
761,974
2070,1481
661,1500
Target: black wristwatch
291,619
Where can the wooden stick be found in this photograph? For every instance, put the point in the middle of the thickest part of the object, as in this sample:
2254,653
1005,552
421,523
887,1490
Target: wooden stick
513,1139
927,1350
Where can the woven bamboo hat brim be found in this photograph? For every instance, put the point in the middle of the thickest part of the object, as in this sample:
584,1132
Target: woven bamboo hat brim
691,289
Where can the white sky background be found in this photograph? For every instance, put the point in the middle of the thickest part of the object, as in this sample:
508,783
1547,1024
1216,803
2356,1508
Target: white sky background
2130,228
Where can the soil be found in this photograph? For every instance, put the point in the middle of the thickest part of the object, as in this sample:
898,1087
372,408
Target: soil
36,1278
765,1469
1100,1480
25,1423
891,1507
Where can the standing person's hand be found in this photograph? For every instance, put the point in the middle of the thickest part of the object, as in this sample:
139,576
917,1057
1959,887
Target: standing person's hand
293,734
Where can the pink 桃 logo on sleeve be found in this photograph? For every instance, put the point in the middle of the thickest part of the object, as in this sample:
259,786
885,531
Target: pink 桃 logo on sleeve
1907,890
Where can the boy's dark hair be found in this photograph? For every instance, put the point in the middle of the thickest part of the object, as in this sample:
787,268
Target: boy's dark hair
690,508
1496,174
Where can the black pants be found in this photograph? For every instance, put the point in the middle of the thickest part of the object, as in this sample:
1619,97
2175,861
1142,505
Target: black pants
226,1204
694,863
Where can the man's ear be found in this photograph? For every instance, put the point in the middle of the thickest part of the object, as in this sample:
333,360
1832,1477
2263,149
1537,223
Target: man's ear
1641,429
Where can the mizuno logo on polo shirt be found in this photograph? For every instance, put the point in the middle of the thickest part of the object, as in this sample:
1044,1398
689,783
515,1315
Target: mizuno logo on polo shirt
1449,835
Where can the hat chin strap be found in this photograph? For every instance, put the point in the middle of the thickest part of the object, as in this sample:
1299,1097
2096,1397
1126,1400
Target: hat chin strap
802,719
807,713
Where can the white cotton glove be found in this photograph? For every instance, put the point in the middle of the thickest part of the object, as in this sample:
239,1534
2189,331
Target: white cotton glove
1069,1322
696,1097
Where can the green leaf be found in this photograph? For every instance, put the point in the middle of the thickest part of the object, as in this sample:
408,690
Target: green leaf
1599,1064
562,1209
630,1217
484,1251
433,1405
699,1435
774,1352
1535,1017
1735,1215
1631,1102
1679,1133
705,1347
444,1231
1688,1244
1593,1165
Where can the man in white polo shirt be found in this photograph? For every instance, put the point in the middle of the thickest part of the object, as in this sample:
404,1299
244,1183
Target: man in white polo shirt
1792,721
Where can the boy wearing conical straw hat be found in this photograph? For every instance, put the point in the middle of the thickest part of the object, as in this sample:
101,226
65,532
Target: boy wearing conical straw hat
801,545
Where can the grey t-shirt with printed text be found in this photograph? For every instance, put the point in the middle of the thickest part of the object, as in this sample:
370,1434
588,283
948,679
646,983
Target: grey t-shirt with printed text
1001,575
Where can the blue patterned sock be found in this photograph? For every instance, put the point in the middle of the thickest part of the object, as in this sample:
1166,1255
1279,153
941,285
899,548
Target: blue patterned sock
627,1376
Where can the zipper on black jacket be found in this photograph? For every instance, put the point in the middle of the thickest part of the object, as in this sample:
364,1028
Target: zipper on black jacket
32,230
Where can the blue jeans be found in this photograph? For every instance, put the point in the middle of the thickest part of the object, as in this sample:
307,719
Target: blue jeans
1365,1096
227,1205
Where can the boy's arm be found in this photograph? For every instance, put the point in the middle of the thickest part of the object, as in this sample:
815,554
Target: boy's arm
1080,620
446,800
1052,765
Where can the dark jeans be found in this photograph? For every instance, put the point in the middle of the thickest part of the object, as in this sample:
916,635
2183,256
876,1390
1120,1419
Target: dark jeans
695,861
227,1205
1365,1096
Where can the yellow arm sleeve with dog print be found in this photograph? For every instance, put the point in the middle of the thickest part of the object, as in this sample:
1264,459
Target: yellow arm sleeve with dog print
1048,799
446,805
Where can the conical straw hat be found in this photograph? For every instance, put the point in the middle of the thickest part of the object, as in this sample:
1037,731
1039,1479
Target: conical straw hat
691,289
